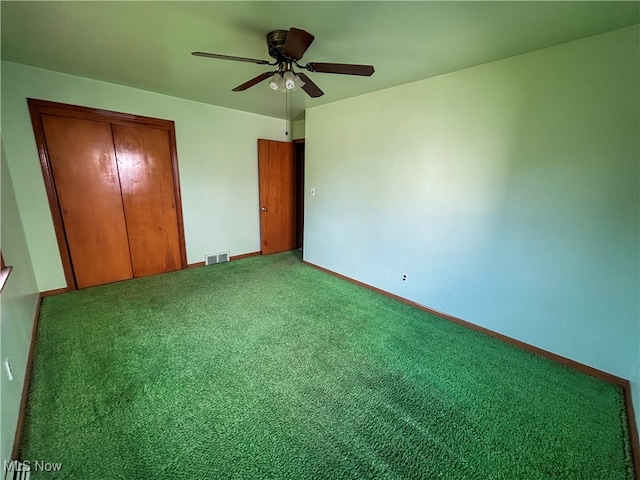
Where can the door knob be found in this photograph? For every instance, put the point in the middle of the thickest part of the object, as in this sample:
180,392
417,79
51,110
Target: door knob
264,209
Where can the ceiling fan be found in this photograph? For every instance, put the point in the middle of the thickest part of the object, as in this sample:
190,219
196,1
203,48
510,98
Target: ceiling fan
287,48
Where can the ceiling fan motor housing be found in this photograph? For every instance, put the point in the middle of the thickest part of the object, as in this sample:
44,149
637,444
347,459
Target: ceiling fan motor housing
275,42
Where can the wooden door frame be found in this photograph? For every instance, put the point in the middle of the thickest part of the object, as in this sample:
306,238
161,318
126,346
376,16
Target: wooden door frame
299,145
37,108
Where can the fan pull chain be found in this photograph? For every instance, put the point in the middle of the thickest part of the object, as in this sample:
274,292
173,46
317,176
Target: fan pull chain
287,107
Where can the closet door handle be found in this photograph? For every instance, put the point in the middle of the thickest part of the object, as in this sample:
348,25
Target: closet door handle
264,209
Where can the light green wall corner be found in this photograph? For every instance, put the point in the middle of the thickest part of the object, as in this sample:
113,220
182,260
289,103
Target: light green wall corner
217,157
508,192
18,303
297,129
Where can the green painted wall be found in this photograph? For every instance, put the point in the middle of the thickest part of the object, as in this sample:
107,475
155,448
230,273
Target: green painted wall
507,192
217,156
297,129
18,303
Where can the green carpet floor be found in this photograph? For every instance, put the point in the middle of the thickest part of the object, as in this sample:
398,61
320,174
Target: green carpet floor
268,368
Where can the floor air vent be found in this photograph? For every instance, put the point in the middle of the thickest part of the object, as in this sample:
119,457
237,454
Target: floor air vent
15,470
213,258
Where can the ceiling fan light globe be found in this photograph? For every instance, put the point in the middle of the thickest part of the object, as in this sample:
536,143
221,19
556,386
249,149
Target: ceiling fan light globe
289,82
292,82
276,82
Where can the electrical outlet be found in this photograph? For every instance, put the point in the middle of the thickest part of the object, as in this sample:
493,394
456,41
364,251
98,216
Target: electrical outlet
404,277
7,367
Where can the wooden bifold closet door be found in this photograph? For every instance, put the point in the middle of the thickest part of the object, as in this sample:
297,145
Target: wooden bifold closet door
113,191
146,180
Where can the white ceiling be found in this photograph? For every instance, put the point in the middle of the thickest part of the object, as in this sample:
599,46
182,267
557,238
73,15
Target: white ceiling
147,44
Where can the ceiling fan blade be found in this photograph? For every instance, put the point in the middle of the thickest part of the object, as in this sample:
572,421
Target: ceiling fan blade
253,81
309,87
341,68
297,43
227,57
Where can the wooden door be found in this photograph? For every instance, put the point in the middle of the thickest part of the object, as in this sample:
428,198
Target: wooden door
146,179
83,162
113,188
277,182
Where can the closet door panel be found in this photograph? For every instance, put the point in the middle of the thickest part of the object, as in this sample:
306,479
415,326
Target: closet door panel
146,179
85,173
